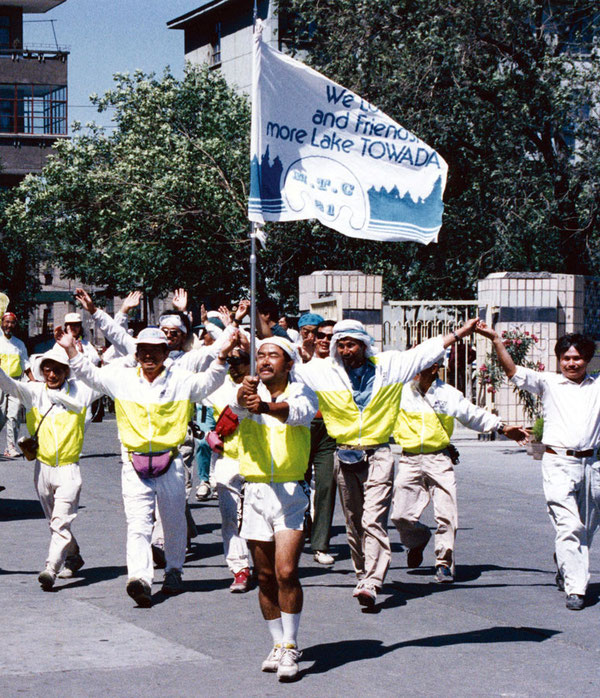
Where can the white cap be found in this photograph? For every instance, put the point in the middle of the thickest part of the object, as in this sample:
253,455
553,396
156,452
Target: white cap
72,317
151,335
57,353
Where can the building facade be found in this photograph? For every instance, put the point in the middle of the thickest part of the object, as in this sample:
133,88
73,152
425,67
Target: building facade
219,33
33,93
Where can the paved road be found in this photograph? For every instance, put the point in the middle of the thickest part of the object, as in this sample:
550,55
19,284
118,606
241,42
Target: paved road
502,629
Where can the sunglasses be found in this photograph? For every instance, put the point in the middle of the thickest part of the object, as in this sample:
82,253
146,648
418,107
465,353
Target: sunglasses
172,333
324,335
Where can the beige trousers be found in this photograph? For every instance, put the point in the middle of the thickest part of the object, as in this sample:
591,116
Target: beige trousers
365,497
420,479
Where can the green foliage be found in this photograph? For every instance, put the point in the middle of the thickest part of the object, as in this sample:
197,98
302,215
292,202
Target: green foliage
491,376
19,259
538,429
504,89
158,203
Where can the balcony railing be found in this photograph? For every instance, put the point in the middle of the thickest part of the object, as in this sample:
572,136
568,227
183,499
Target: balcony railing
41,53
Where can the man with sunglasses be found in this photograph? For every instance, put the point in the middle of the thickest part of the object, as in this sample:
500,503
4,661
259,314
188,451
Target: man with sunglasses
320,464
359,396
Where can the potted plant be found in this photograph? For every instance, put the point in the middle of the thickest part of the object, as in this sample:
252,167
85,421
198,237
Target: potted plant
537,431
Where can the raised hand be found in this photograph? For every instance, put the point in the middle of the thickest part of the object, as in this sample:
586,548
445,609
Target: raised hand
242,310
225,315
180,299
66,341
485,331
228,344
86,300
131,301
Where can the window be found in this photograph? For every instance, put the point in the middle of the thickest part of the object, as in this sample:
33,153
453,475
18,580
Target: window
4,31
33,109
215,45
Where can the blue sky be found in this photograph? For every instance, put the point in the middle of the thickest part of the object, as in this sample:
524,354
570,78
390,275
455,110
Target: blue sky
110,36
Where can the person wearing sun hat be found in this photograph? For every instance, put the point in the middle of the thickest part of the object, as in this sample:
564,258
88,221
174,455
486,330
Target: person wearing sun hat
153,401
56,407
359,396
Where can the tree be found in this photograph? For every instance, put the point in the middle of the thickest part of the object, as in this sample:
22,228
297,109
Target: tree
506,90
160,202
19,262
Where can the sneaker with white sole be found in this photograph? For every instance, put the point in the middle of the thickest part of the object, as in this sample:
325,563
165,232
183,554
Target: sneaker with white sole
365,594
324,558
241,582
72,565
271,663
288,663
203,492
46,579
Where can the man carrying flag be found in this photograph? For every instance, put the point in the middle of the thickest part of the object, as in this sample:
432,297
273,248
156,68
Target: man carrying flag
330,155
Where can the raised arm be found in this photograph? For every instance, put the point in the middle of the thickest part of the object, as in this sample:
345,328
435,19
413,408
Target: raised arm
508,365
115,333
22,391
96,378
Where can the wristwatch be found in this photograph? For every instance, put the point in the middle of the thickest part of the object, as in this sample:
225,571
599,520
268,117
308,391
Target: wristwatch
501,428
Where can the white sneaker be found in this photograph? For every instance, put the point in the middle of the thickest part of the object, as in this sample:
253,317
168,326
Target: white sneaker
46,579
324,558
288,665
203,492
271,663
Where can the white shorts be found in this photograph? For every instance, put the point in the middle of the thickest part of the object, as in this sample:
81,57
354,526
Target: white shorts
270,507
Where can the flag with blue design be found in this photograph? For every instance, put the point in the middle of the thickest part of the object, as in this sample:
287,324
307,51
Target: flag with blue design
321,151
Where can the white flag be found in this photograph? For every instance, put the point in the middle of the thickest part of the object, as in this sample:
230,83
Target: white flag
320,151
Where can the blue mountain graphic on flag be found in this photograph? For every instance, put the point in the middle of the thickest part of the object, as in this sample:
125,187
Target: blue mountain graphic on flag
265,179
423,213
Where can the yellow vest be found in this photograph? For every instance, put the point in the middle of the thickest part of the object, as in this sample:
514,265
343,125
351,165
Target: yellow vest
273,451
60,437
374,424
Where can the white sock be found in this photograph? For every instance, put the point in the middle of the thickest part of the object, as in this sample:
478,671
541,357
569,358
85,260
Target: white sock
290,622
276,629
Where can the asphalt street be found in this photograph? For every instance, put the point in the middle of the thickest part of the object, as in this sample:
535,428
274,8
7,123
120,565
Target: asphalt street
501,630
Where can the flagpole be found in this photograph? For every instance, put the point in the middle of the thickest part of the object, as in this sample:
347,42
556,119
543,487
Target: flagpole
253,260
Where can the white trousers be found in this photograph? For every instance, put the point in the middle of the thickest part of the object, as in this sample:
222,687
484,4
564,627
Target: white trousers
229,487
186,450
140,497
58,489
572,490
10,415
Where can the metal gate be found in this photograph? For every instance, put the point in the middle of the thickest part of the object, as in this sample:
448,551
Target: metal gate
407,323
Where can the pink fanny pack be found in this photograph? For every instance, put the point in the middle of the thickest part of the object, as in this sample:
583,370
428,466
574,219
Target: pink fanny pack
148,465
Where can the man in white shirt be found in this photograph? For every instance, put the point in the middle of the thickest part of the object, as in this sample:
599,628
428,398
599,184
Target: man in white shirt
14,361
571,463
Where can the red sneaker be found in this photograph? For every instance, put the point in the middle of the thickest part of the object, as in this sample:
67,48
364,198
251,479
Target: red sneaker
241,582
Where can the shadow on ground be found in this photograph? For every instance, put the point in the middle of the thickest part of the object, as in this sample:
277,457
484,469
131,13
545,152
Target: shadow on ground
331,655
20,509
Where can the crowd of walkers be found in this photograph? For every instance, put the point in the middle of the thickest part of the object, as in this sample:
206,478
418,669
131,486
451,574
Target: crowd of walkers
317,414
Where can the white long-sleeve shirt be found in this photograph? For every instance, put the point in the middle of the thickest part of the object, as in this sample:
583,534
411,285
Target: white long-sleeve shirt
571,410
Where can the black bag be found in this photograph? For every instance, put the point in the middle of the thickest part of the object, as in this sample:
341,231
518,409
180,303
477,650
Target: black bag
453,454
29,444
